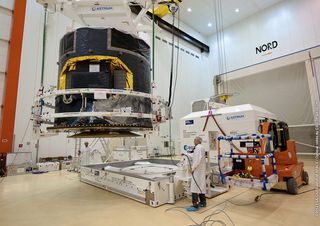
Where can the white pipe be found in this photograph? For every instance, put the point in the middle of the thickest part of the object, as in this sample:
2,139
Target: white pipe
96,114
306,153
308,145
303,125
54,93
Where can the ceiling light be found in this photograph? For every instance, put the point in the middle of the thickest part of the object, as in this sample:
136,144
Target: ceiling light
237,10
189,9
209,24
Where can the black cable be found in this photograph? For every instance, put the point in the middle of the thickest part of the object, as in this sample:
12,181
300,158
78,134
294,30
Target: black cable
192,174
196,223
258,197
172,93
242,204
307,191
153,41
224,63
44,39
223,202
208,219
177,61
170,138
171,66
175,209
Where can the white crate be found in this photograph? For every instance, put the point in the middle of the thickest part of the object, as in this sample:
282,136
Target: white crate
48,166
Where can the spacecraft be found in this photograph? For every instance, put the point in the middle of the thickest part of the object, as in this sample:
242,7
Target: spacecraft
104,86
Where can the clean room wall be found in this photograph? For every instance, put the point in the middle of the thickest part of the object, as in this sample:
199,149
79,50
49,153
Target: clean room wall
193,82
184,27
189,66
286,95
29,82
317,75
294,24
5,33
279,94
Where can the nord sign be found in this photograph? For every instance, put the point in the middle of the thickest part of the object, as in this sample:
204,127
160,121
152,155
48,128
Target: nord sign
266,47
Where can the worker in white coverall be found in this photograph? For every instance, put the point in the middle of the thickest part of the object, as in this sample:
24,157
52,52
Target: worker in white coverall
197,159
85,154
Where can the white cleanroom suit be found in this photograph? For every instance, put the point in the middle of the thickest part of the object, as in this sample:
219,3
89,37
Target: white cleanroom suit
198,166
85,156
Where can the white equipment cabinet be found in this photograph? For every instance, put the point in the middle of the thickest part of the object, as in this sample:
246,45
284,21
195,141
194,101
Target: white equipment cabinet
233,120
48,166
209,125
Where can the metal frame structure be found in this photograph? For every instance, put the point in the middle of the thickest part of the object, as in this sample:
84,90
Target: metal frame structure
136,9
131,16
44,103
268,181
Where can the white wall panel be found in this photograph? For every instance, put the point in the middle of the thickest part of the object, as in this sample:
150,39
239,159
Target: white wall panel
286,95
5,33
277,96
317,79
193,78
293,23
2,79
29,74
5,18
7,3
3,56
184,27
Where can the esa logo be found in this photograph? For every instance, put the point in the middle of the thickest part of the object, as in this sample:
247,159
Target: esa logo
189,122
234,117
101,8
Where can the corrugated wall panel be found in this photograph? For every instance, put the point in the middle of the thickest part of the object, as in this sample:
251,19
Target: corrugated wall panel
6,7
5,18
7,4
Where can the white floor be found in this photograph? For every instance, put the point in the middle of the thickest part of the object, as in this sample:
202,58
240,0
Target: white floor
58,198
